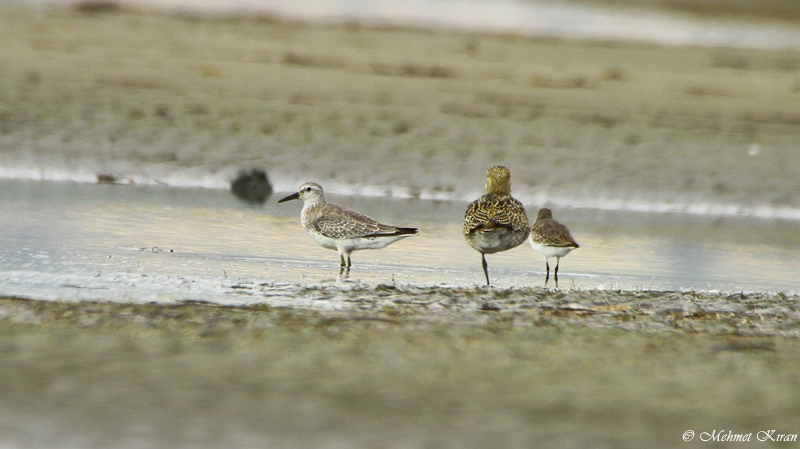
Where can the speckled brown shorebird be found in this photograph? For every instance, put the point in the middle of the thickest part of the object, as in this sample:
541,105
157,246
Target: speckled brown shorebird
552,239
342,229
496,221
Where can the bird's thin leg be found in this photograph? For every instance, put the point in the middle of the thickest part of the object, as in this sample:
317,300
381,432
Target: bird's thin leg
555,274
344,265
547,276
485,268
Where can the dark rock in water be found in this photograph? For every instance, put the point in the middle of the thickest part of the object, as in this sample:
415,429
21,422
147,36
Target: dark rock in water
252,186
96,6
103,178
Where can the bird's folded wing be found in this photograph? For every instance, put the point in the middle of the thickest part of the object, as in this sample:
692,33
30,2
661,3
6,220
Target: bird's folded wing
343,223
553,233
491,211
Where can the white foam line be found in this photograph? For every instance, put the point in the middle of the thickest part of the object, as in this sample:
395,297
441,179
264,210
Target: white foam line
42,174
608,204
197,178
148,176
709,209
584,21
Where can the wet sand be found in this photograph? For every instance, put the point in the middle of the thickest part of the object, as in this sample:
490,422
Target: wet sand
422,368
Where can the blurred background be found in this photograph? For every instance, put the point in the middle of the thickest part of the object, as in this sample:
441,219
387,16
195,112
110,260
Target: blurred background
666,106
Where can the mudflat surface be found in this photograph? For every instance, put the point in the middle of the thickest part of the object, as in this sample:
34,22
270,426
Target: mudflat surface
423,368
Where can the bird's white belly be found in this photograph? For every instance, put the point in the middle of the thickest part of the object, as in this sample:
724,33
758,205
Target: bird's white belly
349,245
370,242
551,251
325,242
496,240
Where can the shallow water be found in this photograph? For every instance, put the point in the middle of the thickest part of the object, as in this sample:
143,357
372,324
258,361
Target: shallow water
74,241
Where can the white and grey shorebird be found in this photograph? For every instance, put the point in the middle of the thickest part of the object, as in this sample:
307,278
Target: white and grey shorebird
552,239
496,221
342,229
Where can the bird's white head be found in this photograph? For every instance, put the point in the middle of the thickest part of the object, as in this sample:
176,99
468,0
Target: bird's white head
309,192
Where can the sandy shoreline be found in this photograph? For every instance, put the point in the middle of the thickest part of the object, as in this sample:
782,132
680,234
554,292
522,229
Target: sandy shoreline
744,315
422,368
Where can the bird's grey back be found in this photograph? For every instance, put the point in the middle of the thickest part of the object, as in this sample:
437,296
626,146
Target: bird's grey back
339,222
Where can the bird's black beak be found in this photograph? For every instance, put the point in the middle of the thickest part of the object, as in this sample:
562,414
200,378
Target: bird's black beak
294,196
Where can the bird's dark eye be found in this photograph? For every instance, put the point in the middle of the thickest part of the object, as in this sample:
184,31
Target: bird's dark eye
308,189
